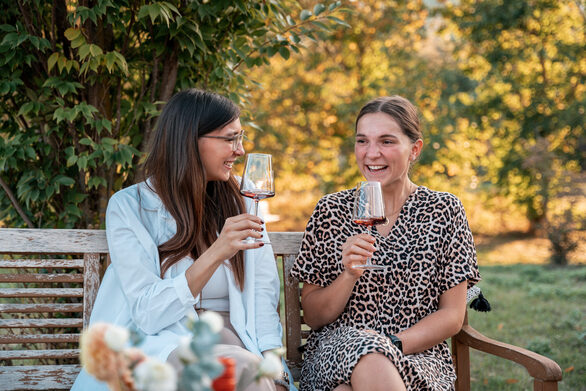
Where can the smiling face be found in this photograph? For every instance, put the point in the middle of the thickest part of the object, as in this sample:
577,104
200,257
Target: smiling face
217,155
383,151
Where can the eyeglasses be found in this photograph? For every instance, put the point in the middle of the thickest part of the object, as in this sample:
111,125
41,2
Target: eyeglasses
235,140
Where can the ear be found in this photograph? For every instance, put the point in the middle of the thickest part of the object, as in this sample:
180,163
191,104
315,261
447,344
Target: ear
416,149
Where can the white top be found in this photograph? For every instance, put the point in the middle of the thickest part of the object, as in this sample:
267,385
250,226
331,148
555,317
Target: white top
214,295
132,293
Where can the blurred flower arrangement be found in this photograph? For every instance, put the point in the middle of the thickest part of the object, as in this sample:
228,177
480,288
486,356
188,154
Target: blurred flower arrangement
106,354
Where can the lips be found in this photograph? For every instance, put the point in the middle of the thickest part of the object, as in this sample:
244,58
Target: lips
375,168
229,164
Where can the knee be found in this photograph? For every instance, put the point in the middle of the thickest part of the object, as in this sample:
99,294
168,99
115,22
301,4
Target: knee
374,360
375,371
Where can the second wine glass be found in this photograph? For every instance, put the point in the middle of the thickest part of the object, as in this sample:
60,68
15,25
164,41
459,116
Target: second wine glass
258,181
369,210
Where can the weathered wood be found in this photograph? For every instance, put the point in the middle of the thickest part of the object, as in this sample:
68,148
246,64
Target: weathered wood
292,314
38,354
285,242
40,263
38,338
38,377
24,327
90,285
52,241
44,307
41,322
41,277
41,292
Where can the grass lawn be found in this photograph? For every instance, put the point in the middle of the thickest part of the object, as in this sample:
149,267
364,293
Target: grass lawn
537,307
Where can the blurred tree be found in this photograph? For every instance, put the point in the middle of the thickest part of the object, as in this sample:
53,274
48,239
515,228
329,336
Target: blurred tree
526,66
81,83
309,106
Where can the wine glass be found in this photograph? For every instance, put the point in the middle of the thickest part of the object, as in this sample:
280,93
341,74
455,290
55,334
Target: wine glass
369,210
257,182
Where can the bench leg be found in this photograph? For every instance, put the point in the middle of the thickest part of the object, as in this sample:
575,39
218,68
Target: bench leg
540,385
461,354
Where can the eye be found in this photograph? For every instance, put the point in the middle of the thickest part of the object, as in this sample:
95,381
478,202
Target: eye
388,142
360,141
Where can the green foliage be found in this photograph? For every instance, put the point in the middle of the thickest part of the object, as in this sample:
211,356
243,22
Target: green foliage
525,60
81,87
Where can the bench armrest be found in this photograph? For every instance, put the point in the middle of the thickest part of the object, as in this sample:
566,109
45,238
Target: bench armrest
538,366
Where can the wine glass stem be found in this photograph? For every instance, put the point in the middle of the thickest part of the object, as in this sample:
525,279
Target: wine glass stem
255,207
369,260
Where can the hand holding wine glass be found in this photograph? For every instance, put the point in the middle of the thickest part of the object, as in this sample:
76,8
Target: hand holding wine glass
257,181
369,210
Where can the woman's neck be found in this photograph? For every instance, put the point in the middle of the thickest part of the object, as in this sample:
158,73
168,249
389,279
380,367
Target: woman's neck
396,196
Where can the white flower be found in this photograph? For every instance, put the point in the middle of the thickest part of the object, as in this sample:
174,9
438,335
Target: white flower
153,375
270,366
184,351
214,320
116,337
206,381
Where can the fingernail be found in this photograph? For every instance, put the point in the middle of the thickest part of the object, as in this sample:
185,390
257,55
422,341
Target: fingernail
262,229
261,244
262,221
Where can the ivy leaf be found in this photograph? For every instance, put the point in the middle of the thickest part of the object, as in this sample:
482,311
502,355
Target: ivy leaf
52,60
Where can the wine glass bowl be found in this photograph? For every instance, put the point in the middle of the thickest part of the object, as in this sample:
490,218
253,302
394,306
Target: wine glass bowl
258,181
369,210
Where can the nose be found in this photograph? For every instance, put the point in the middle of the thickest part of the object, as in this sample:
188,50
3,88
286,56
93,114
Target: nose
372,150
240,150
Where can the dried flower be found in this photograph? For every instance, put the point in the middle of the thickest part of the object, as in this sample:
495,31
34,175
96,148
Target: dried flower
270,366
116,337
96,356
214,320
154,375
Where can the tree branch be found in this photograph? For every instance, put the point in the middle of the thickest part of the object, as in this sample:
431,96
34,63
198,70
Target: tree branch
15,203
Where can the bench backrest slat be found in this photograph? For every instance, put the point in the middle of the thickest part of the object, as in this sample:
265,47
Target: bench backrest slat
53,241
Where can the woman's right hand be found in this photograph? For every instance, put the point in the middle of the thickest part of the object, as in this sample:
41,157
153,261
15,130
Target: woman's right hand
355,251
235,230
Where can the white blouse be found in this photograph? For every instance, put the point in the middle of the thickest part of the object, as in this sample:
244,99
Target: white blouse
214,295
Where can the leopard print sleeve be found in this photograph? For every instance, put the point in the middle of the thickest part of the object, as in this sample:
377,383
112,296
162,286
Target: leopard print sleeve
459,258
312,264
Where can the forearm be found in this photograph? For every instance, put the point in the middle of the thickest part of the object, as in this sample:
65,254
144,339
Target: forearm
439,325
200,272
321,306
430,331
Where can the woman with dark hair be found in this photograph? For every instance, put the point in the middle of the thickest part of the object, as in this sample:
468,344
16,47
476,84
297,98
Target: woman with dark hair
385,329
177,245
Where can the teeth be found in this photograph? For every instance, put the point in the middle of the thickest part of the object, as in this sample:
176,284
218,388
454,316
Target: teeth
229,164
375,167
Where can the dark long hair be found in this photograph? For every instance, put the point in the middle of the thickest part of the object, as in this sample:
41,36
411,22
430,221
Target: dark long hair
177,175
400,109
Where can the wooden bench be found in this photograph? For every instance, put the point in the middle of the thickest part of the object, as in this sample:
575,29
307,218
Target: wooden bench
44,305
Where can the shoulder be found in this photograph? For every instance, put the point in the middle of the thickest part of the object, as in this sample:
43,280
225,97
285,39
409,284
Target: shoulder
340,199
438,198
138,195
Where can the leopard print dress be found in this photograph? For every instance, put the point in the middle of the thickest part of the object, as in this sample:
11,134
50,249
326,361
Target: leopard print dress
429,249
